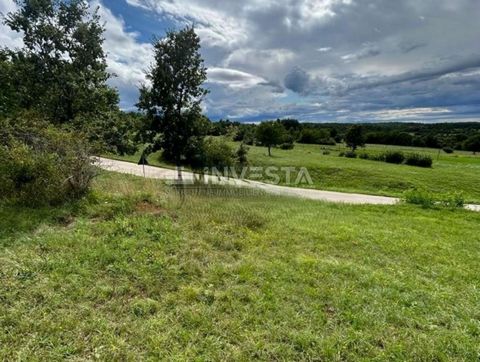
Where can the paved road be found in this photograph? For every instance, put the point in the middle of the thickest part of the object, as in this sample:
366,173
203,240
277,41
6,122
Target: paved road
331,196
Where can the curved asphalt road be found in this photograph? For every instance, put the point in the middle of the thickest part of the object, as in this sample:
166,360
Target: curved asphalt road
330,196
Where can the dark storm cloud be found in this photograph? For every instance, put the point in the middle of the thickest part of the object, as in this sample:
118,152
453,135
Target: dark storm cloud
298,80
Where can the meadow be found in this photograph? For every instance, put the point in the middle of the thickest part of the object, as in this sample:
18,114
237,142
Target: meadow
135,271
457,172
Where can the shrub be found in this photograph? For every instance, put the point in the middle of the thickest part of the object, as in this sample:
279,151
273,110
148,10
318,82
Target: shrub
429,200
420,197
447,150
241,155
377,157
218,153
287,146
350,154
363,156
453,200
341,154
394,157
326,152
42,165
416,159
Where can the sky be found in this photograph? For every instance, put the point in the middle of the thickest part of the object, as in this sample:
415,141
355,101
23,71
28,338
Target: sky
313,60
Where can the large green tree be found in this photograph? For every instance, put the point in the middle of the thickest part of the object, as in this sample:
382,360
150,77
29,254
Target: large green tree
271,134
355,137
61,69
172,101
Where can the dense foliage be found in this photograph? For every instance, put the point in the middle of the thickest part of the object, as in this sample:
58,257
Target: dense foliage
472,143
61,70
397,157
41,164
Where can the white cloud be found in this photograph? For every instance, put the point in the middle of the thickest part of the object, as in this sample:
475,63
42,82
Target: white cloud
8,38
233,78
265,62
409,113
215,27
127,58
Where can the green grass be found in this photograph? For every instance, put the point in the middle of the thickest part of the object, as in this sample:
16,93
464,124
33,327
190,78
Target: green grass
459,171
136,272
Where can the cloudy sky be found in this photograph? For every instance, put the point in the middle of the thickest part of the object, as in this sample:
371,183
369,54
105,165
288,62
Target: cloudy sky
315,60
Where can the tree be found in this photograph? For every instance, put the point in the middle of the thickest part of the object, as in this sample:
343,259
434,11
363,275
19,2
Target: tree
271,134
172,103
61,69
355,137
473,143
242,155
9,102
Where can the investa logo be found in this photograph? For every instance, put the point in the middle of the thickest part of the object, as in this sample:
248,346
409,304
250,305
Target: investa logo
291,176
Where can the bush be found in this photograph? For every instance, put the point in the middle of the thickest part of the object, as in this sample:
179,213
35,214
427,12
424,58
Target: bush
325,152
287,146
218,153
350,154
447,150
416,159
453,200
420,197
42,165
394,157
363,156
241,155
429,200
377,157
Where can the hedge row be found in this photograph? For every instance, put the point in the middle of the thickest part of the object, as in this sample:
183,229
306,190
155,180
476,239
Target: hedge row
397,157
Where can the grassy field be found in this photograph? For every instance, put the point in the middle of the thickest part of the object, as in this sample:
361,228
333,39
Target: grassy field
458,172
135,271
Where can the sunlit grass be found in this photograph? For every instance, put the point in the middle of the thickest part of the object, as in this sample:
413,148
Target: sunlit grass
458,172
136,271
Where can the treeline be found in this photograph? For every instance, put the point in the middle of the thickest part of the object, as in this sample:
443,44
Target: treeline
455,136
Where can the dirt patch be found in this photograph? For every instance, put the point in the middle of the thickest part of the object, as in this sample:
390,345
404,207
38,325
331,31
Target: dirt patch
64,220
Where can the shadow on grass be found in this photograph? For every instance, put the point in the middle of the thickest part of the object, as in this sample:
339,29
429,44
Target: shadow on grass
16,220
